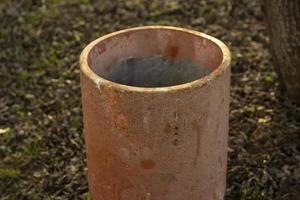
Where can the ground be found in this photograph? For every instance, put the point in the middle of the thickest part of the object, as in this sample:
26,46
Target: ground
41,143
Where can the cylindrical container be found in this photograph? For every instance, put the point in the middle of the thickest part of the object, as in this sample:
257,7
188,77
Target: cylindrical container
156,143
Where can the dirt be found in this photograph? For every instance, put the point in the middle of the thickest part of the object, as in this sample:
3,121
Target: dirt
41,141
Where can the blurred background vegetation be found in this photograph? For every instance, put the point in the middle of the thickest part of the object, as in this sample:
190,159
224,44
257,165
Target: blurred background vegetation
41,142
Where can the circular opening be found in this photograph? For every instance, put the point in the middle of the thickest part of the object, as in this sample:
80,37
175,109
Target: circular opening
154,57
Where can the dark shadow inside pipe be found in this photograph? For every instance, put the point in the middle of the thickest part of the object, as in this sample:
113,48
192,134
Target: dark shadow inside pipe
155,71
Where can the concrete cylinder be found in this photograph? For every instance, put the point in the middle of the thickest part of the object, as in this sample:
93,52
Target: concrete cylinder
156,143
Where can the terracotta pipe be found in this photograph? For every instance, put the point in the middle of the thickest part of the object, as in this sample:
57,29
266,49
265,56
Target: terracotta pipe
156,143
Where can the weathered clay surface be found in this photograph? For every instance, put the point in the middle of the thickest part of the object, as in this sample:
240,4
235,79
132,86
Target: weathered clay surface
164,143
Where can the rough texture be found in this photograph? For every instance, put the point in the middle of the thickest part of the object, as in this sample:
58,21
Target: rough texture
165,143
42,154
283,20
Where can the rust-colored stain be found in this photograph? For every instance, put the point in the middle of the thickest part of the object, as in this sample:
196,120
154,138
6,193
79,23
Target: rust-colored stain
114,119
121,122
172,51
114,102
147,164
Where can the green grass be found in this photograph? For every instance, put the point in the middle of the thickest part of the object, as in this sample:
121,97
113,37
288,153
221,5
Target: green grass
9,173
41,139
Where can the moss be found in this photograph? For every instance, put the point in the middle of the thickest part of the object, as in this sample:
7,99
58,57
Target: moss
9,173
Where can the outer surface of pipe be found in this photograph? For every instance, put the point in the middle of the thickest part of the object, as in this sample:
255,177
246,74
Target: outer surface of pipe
167,143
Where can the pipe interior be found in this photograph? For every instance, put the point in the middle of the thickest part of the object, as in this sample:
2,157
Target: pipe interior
154,58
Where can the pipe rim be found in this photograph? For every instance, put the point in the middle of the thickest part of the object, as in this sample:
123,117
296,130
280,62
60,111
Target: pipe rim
203,81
